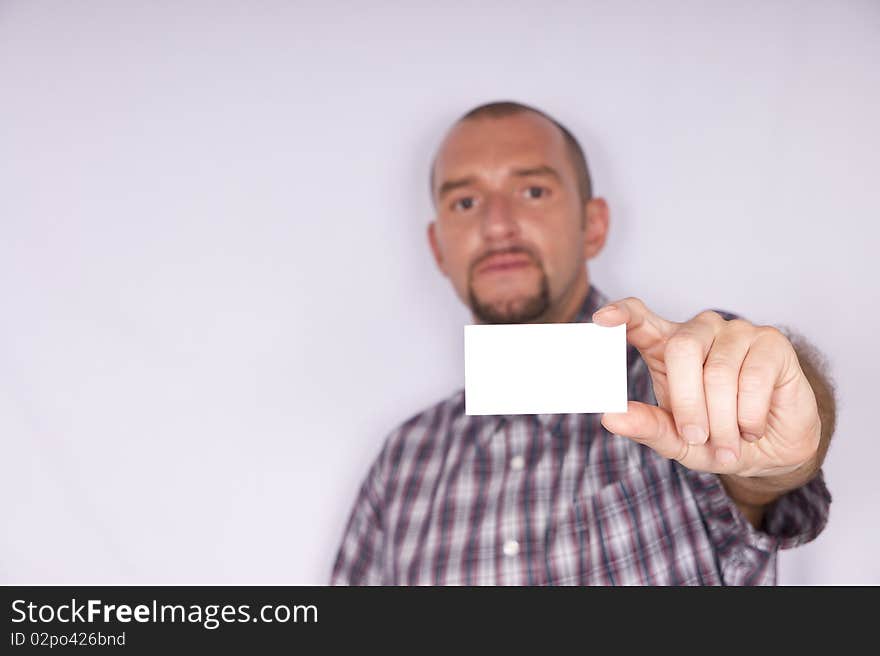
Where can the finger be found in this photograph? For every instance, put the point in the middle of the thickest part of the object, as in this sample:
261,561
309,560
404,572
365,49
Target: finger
761,369
655,428
685,354
721,383
645,330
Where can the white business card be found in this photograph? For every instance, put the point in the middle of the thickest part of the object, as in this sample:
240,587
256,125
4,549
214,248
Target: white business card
548,368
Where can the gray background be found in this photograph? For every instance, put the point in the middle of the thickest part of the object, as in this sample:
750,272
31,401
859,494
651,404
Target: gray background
217,297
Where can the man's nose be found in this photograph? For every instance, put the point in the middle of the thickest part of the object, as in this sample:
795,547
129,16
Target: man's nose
499,221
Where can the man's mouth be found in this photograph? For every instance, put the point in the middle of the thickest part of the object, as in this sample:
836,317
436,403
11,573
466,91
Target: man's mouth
503,262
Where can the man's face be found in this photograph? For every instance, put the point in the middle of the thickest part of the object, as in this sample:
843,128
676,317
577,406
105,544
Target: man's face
510,226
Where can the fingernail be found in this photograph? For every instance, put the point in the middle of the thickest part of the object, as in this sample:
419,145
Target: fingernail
604,310
694,434
749,437
725,456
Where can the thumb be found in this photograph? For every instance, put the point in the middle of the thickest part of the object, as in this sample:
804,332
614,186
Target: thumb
655,428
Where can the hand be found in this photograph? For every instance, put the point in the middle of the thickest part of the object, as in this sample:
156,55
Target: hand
732,396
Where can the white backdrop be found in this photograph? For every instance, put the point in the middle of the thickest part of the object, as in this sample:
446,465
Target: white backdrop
216,292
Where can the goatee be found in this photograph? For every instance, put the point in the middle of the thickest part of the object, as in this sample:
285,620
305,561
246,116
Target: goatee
516,311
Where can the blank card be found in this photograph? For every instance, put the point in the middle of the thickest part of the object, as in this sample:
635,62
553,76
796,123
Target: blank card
548,368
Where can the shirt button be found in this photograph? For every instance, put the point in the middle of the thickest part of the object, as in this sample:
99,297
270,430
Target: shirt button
511,548
517,463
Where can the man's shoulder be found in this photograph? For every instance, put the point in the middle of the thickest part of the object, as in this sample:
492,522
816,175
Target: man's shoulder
451,405
726,315
421,431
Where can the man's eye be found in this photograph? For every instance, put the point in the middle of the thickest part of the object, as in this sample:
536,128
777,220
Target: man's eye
463,203
535,192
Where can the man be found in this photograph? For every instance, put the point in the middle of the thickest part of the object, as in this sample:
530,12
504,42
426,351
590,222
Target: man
714,467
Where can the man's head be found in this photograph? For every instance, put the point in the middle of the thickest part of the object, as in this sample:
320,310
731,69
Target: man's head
515,217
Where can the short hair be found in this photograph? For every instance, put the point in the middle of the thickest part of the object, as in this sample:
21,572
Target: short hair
502,108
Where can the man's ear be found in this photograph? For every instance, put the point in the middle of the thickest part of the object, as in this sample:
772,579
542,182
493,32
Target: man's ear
596,213
435,247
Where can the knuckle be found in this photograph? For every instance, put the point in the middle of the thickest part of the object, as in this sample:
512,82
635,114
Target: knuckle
636,303
740,325
718,372
771,333
686,408
752,381
709,316
683,345
658,431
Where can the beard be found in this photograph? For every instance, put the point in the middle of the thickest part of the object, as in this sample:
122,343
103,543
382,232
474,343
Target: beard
519,310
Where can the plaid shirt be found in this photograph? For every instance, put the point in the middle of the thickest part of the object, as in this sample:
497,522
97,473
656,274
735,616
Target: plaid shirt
555,500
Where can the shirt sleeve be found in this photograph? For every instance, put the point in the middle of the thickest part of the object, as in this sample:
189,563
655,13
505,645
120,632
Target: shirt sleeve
360,556
799,516
746,555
